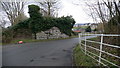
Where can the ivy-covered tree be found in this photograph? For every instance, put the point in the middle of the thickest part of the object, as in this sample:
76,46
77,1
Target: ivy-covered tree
65,24
48,23
36,19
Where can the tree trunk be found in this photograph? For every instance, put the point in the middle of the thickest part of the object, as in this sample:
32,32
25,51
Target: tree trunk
35,36
49,6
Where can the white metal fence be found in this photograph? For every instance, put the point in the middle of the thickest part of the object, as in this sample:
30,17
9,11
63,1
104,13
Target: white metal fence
100,49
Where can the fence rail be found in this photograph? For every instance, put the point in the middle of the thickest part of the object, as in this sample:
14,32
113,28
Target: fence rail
100,49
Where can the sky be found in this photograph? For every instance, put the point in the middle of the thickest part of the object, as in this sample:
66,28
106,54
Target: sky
76,8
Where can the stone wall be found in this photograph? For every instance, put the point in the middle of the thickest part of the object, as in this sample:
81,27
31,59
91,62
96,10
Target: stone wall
51,34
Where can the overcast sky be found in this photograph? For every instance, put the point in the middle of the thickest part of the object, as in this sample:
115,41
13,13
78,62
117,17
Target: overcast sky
78,12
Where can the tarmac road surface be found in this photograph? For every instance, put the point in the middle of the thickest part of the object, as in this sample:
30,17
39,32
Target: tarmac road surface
50,53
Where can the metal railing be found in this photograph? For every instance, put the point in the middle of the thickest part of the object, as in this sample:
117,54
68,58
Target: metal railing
100,49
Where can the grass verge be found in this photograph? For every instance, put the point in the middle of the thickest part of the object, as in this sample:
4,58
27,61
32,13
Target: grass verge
104,55
34,40
80,59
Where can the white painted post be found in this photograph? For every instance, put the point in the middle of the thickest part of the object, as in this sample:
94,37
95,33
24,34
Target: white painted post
85,44
79,38
100,54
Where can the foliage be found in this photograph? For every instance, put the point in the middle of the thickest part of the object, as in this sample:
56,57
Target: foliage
22,24
112,27
88,29
37,23
7,35
48,23
95,29
20,29
36,19
65,24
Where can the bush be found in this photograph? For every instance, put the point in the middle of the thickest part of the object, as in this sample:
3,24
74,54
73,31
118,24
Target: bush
88,29
7,35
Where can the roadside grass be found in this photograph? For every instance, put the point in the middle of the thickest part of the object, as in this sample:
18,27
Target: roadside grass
105,48
80,59
34,40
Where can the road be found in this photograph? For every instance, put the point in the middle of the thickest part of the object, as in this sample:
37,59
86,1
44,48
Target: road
50,53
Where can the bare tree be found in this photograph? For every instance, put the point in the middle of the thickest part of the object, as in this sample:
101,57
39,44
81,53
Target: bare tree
12,9
2,24
49,7
20,17
105,10
3,19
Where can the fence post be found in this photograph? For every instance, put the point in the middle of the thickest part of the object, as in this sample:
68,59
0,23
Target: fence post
100,54
79,39
85,43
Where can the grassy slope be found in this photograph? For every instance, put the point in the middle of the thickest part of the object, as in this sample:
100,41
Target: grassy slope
80,59
105,48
